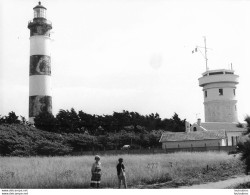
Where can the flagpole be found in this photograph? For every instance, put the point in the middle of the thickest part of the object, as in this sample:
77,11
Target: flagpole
205,52
205,56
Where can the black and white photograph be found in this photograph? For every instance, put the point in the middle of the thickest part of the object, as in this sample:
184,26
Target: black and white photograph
116,96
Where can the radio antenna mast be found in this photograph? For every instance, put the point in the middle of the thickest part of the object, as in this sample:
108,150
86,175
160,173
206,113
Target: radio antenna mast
205,52
205,56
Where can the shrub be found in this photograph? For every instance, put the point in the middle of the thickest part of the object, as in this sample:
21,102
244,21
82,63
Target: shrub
45,147
79,142
244,148
45,121
22,140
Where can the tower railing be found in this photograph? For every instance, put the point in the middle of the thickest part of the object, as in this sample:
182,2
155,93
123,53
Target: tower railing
43,21
218,78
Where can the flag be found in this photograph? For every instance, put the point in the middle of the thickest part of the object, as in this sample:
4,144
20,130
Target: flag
195,50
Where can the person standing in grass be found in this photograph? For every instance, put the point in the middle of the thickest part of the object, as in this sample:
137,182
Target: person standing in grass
121,173
96,173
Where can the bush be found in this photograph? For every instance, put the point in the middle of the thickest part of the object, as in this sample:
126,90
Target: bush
244,149
79,142
45,121
45,147
12,118
22,140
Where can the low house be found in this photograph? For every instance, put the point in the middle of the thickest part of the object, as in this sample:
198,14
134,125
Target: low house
233,131
193,139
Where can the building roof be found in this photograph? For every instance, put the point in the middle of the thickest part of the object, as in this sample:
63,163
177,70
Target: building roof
218,70
192,136
222,126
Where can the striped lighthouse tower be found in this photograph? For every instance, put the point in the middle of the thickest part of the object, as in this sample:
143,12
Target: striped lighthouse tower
40,93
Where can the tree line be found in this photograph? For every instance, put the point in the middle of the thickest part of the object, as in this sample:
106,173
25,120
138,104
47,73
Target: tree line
70,121
70,131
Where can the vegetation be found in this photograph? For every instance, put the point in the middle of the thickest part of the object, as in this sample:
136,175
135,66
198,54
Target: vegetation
240,125
73,122
71,132
74,172
11,119
244,147
247,119
22,140
46,121
245,185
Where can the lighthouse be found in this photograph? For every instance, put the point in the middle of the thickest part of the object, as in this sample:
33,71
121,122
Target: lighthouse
219,91
40,91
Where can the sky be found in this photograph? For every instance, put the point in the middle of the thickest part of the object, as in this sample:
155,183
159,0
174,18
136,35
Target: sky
110,55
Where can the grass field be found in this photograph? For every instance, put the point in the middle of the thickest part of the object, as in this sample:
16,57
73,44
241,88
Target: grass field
74,172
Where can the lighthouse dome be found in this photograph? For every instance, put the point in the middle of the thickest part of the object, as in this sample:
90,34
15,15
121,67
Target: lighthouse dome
39,6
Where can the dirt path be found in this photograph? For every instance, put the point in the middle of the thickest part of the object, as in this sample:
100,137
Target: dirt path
230,182
220,184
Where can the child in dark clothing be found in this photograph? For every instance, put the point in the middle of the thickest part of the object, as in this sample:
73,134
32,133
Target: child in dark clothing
121,173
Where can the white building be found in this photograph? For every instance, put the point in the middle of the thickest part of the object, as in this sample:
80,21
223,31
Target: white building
220,104
220,107
219,88
232,130
193,139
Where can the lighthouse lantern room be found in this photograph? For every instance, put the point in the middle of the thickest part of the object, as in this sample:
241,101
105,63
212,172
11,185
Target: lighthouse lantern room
39,11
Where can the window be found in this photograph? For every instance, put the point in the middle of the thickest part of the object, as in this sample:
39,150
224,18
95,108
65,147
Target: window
195,129
205,93
235,107
220,91
215,73
39,13
234,92
35,14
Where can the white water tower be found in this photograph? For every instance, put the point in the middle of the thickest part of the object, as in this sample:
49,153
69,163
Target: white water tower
219,88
